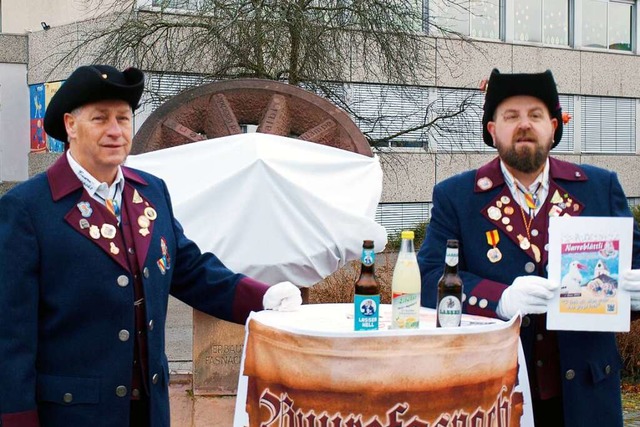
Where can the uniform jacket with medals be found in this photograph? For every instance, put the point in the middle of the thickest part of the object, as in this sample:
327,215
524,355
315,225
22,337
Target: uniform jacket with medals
66,296
477,208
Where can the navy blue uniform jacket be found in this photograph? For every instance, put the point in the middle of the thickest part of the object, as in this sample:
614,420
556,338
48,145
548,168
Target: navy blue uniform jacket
589,361
65,296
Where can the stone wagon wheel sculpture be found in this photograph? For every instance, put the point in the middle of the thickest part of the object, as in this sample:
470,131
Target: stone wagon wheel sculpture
223,108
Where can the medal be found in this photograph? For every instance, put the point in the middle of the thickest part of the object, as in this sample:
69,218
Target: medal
556,197
150,213
85,209
94,232
84,224
143,221
494,213
144,231
509,210
536,252
505,200
494,253
136,197
509,228
108,231
524,242
484,183
506,220
114,249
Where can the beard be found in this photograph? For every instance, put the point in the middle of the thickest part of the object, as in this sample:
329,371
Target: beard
526,158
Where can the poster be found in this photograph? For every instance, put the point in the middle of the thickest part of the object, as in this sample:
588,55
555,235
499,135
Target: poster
586,256
50,89
36,115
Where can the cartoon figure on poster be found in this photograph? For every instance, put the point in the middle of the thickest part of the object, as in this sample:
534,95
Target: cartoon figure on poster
36,103
589,277
50,89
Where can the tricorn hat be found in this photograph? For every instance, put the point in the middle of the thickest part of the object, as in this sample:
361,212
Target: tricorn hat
503,86
91,83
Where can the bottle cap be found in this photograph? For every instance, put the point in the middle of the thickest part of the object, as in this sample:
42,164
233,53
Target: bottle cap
407,234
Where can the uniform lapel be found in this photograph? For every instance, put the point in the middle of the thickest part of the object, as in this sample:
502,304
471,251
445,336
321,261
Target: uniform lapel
92,220
142,216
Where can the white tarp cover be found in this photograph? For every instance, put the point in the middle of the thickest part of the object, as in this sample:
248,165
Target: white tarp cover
271,207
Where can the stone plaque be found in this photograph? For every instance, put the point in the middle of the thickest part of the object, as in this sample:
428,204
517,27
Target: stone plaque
217,353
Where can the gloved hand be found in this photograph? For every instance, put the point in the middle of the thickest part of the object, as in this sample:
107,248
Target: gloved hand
283,296
527,294
630,282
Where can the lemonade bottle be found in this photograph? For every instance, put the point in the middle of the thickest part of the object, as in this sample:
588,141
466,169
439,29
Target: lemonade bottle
405,286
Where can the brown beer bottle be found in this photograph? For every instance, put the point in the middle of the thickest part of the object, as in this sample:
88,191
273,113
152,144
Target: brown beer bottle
366,300
449,306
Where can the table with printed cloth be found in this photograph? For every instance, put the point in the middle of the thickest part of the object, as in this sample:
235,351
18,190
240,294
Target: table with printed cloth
309,367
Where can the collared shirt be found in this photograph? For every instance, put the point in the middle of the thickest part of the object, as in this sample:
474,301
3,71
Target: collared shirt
99,191
539,186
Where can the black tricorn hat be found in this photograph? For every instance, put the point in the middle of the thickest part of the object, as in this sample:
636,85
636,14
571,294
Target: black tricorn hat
539,85
91,83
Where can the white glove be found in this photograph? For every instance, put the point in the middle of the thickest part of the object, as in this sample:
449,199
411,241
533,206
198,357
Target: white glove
283,296
630,282
527,294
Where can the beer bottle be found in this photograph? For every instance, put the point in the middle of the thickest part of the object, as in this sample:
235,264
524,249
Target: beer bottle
366,300
405,286
449,306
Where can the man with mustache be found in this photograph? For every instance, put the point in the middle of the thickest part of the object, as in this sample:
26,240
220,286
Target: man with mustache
500,214
89,253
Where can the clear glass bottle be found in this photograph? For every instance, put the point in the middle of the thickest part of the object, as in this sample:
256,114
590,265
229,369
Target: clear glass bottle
406,287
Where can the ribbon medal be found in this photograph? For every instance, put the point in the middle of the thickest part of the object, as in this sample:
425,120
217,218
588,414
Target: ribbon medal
494,253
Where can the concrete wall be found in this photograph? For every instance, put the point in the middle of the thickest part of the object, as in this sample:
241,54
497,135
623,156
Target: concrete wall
14,122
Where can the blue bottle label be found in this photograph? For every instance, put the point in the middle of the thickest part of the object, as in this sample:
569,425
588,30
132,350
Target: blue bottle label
366,312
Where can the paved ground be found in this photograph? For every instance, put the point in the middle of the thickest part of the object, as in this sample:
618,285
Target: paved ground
179,336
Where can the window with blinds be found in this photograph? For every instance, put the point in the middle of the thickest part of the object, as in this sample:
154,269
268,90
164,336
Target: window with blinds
459,120
566,144
608,125
393,115
396,217
162,86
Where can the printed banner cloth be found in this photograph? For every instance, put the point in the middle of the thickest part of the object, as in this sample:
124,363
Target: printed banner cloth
308,368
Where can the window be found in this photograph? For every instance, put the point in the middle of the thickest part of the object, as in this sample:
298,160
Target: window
607,24
541,21
566,144
178,4
608,125
460,125
396,217
475,18
389,112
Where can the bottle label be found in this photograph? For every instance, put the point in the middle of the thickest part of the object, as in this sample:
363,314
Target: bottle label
368,257
451,257
449,312
405,309
366,312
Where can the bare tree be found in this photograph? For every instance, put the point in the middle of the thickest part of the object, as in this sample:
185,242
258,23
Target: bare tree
321,45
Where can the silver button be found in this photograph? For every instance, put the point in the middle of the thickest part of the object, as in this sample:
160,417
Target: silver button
607,369
135,392
473,300
539,337
534,232
131,251
483,303
123,281
539,363
151,325
145,272
67,398
123,335
529,267
526,321
121,391
154,378
546,247
570,374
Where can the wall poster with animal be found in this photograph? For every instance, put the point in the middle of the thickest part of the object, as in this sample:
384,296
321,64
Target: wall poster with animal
586,256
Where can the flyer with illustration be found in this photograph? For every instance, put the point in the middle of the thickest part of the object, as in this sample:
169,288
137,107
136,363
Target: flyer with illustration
586,256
